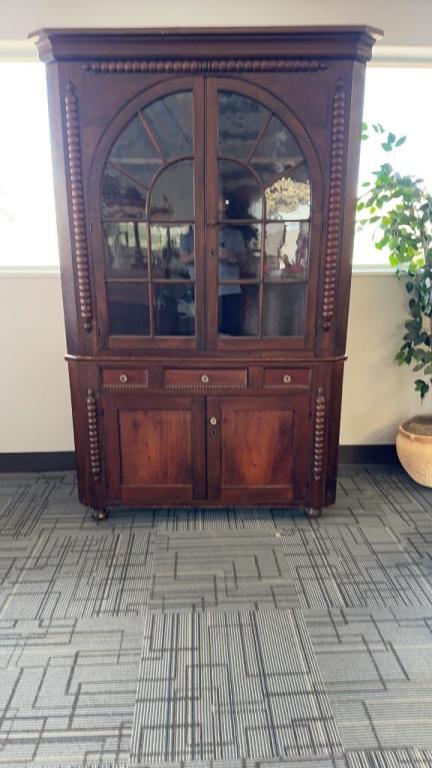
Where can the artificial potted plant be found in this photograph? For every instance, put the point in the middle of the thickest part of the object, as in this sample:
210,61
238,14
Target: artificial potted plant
401,208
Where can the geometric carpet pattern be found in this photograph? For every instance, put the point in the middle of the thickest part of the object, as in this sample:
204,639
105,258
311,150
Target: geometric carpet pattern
216,638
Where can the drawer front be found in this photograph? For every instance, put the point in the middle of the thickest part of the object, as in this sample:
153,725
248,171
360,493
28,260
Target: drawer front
125,378
275,378
203,378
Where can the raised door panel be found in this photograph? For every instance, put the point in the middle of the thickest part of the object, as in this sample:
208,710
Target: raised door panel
257,448
155,448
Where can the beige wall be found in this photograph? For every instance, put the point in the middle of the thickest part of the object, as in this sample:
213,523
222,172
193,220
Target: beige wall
34,391
405,22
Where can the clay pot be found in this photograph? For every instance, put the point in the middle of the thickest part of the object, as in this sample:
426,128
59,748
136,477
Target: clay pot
414,449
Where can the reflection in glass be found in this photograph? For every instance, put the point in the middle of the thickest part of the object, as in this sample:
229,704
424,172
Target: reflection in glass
284,310
239,252
174,310
286,250
240,122
240,193
289,197
135,154
276,152
170,122
128,311
172,195
126,245
173,252
238,310
122,198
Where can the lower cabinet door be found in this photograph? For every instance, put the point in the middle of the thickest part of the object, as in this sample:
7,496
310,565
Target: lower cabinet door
155,448
258,449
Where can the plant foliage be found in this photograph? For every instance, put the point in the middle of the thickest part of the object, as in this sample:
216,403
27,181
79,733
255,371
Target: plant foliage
401,209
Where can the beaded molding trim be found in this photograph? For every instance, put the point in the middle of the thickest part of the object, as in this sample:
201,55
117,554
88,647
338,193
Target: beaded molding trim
78,212
206,386
335,205
93,434
137,66
319,430
125,386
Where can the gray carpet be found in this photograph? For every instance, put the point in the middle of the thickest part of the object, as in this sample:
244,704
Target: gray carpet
231,638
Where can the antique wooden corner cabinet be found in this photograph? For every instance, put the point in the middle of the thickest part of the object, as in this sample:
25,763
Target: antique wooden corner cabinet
205,186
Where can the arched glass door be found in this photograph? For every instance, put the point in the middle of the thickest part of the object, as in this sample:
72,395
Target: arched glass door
259,217
206,215
148,215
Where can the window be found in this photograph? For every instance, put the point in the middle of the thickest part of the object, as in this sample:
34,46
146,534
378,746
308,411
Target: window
409,115
28,237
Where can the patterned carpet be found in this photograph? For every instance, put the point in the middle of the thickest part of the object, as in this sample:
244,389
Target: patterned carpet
231,638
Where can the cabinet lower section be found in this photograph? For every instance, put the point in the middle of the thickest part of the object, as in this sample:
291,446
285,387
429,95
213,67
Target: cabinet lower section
272,443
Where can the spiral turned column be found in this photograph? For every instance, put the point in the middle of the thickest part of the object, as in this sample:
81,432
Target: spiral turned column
78,211
335,205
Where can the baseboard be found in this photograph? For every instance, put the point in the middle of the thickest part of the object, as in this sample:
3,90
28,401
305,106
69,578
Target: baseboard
50,461
55,461
368,454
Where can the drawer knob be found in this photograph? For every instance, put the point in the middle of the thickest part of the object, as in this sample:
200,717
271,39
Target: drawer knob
286,378
205,379
123,378
213,421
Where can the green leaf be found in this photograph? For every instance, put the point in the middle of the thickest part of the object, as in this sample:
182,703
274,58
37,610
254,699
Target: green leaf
421,387
400,141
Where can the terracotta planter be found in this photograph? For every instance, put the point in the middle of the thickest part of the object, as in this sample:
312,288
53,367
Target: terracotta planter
414,449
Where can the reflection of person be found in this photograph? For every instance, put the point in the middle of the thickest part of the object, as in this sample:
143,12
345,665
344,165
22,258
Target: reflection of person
232,255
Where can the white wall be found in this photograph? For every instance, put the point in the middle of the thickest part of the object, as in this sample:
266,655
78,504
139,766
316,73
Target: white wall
35,410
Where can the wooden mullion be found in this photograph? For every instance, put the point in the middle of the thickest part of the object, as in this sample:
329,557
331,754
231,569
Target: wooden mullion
259,137
151,136
130,176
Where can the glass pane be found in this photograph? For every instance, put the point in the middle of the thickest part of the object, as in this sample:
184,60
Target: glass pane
240,123
240,194
286,250
121,197
174,310
173,252
238,310
289,197
171,122
284,310
239,252
128,310
172,195
134,152
126,245
276,152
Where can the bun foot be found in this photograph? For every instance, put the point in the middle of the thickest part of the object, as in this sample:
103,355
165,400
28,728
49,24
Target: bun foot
99,515
313,513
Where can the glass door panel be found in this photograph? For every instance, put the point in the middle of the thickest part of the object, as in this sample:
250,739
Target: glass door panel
259,213
148,216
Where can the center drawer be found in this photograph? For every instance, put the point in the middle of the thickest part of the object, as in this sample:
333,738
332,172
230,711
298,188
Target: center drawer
203,378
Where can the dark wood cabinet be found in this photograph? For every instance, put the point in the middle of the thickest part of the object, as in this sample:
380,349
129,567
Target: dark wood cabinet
205,186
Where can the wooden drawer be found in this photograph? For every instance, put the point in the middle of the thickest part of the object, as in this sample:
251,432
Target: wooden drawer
125,378
203,378
275,378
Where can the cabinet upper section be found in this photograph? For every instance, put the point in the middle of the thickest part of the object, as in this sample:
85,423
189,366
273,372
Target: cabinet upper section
205,185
